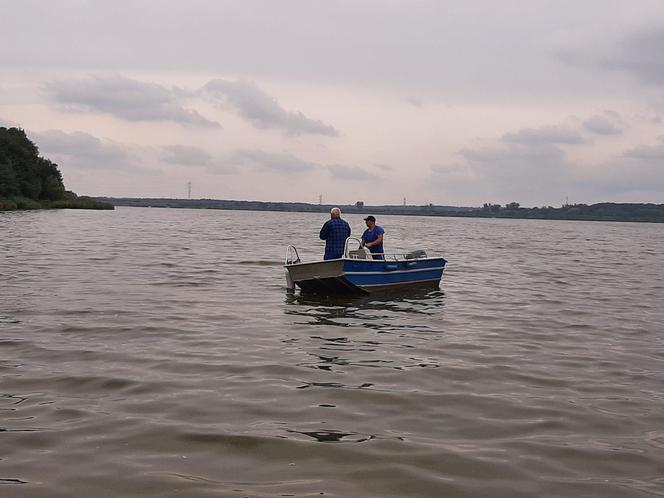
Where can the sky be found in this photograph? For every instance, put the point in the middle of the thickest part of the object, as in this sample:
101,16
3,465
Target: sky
540,102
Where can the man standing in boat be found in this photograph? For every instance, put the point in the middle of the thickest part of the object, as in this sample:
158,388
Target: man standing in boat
335,231
372,238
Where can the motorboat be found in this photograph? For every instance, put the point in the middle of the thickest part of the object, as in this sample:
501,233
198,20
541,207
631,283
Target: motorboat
357,272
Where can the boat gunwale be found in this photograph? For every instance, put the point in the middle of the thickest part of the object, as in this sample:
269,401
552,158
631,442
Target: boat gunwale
371,261
286,265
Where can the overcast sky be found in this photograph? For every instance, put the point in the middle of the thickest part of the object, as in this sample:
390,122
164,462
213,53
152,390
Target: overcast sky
448,102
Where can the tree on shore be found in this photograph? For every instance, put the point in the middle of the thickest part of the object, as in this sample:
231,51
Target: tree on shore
23,173
28,181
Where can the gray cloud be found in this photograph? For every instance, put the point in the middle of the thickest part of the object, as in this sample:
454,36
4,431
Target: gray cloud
603,124
637,173
269,161
76,143
516,160
647,152
262,110
125,98
544,135
82,150
285,163
186,155
651,117
342,172
362,44
531,166
415,101
637,53
540,173
522,171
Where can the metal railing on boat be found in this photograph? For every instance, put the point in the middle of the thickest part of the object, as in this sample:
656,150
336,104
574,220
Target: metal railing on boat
363,252
293,257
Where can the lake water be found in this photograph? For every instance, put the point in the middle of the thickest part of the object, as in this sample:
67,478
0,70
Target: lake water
156,352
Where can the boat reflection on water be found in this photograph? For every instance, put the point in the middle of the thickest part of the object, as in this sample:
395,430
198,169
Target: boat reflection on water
377,300
386,330
386,310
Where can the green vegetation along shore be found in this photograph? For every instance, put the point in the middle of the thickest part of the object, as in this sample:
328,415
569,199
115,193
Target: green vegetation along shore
28,181
605,211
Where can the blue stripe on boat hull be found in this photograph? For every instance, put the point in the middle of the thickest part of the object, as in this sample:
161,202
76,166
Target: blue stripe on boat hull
394,278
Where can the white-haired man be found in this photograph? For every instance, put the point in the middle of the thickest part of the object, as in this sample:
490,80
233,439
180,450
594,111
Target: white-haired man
335,231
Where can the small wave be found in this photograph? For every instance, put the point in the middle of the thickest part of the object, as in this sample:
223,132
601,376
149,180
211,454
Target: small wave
5,480
335,385
333,436
255,262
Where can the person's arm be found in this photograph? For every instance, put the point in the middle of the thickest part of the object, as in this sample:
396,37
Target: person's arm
324,231
378,241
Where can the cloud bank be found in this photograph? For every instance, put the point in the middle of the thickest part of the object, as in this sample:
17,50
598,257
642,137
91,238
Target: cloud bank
186,155
257,159
84,151
604,124
262,110
636,53
536,163
544,135
126,99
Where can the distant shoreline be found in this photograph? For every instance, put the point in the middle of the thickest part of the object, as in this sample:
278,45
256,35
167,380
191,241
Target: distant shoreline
71,201
606,211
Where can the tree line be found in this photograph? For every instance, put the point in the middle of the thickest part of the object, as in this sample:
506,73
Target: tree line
605,211
602,211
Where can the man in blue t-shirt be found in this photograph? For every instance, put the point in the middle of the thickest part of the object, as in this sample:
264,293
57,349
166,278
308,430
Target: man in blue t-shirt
373,238
335,231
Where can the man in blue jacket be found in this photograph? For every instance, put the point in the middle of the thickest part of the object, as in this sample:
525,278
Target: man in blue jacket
335,231
372,238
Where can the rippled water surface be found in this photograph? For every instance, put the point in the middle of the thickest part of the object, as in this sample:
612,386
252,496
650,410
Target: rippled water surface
156,352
